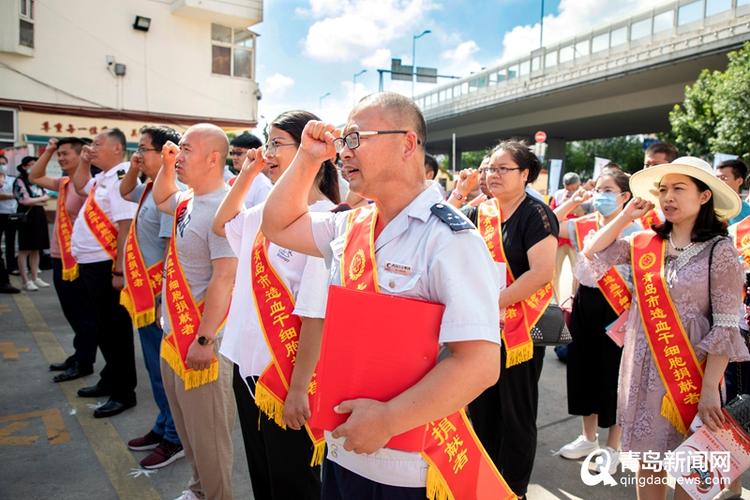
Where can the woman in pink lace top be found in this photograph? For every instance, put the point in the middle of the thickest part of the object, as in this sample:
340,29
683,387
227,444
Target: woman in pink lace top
707,301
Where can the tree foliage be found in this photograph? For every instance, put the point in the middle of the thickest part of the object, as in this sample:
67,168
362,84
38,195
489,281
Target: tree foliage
713,116
626,151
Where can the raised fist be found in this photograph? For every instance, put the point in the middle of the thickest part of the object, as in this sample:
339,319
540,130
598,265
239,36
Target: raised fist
317,140
52,143
87,154
254,161
136,161
638,208
169,153
468,179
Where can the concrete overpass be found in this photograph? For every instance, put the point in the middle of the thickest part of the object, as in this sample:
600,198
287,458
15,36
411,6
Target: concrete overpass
618,80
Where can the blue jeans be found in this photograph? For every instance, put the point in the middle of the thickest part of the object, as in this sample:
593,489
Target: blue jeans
151,343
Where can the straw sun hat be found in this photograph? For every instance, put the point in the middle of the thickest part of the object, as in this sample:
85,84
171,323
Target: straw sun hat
645,184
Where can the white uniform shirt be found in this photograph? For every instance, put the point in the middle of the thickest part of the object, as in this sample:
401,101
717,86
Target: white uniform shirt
86,248
306,277
451,268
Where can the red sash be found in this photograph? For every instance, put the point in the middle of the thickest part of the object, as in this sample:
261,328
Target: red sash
458,465
184,315
274,304
740,233
64,233
520,317
671,350
612,285
650,219
101,227
142,284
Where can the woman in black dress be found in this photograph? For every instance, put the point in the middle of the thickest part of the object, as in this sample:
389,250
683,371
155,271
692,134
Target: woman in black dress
33,232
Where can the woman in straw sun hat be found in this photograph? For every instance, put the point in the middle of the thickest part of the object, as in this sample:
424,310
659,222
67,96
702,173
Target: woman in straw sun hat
682,326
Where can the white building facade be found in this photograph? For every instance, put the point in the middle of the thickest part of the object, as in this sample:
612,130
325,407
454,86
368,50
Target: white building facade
74,67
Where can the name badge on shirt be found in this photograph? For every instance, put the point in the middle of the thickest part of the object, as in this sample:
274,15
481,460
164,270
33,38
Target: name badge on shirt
401,269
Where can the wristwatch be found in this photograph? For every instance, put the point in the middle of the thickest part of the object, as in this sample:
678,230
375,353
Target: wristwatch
203,340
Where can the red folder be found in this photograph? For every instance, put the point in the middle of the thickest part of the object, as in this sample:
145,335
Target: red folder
374,346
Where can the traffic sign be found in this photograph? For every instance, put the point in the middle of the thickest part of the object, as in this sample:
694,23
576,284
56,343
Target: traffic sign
540,136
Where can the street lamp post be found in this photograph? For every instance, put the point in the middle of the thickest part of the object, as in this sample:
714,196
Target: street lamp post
320,101
541,27
414,39
354,85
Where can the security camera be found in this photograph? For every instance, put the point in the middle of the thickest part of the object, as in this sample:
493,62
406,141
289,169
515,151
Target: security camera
258,94
110,60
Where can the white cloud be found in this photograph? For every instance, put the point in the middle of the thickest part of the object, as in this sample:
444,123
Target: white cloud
277,85
381,58
351,29
575,18
460,60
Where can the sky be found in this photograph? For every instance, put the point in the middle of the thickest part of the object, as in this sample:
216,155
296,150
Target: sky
309,48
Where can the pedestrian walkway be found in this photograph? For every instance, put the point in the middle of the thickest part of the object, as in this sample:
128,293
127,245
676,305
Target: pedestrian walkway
52,447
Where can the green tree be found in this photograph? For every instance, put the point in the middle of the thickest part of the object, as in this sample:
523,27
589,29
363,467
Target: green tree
626,151
713,116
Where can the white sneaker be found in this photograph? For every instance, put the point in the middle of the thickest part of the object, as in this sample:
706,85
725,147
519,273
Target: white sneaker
40,283
614,460
578,448
187,495
29,286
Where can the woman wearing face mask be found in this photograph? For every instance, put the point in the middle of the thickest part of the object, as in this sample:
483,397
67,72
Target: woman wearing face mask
682,326
271,353
593,357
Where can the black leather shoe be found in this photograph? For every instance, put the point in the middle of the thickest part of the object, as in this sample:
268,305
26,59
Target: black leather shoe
112,408
61,367
93,391
74,372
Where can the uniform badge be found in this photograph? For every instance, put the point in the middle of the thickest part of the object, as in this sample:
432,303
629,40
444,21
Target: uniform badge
447,214
120,174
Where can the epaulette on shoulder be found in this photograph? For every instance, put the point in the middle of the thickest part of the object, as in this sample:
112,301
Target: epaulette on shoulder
448,215
120,174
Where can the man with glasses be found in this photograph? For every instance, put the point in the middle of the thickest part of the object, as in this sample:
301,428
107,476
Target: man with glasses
417,241
153,230
261,185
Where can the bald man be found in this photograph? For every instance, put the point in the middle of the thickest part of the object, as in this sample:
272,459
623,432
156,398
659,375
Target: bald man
418,241
200,268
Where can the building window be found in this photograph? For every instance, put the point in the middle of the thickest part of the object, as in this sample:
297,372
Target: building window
232,51
7,127
26,23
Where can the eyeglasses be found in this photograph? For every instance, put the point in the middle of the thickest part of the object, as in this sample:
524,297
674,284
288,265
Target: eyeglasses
237,152
351,140
497,170
142,150
270,148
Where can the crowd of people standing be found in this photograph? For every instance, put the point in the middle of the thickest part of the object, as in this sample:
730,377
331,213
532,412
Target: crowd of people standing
226,276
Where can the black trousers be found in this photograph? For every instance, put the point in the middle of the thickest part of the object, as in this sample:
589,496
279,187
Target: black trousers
7,231
72,296
278,459
504,418
342,484
593,358
114,331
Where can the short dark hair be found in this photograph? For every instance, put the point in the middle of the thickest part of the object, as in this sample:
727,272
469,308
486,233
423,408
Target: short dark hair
119,136
293,123
663,148
401,106
28,159
160,135
246,140
707,224
431,163
739,168
522,156
75,142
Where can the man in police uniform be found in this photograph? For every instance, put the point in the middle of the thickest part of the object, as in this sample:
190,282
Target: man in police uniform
440,258
102,276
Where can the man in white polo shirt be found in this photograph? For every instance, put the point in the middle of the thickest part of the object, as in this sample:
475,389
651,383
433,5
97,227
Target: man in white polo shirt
99,235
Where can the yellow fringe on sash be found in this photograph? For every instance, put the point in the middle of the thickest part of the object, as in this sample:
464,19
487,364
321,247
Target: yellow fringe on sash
669,411
273,408
270,405
70,274
519,354
140,319
319,452
437,488
191,378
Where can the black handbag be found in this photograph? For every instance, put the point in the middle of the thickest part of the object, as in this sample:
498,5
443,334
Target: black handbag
18,218
551,329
